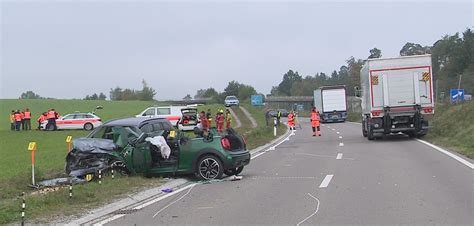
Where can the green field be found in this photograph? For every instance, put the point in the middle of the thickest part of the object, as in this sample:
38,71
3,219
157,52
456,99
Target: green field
15,164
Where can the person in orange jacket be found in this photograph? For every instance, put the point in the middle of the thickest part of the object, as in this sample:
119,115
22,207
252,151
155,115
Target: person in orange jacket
315,122
18,119
220,121
51,116
228,118
27,119
204,122
41,119
291,120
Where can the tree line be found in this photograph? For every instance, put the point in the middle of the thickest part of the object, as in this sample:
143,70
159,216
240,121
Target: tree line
452,56
234,88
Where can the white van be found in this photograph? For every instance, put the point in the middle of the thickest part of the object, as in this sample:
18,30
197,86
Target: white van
172,113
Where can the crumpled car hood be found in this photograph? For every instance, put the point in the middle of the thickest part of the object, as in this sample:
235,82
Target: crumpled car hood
89,155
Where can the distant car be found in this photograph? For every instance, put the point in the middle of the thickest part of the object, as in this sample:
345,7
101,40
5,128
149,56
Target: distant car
284,112
231,101
172,113
273,113
189,119
122,145
86,121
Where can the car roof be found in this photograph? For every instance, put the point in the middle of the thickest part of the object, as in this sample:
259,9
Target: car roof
132,121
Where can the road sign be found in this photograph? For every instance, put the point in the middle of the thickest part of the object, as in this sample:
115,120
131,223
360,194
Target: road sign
457,95
256,100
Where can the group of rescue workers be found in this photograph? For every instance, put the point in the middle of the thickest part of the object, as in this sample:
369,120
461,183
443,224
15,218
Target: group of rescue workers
21,120
220,119
315,124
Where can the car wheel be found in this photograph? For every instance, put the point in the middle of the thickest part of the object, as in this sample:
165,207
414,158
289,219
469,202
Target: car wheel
209,167
88,126
234,171
49,127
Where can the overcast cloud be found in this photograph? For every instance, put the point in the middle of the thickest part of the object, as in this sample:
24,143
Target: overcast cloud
70,49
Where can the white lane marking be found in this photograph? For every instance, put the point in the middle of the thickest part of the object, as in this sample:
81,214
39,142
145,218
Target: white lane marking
205,207
162,197
108,220
324,156
459,159
159,211
339,156
333,129
337,133
326,181
340,137
341,144
255,156
316,211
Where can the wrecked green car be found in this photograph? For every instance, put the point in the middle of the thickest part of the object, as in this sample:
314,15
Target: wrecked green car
151,146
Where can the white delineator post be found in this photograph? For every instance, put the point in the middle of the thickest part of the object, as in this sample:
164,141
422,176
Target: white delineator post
275,127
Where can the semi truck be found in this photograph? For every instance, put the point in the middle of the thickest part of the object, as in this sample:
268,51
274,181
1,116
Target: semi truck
397,96
331,102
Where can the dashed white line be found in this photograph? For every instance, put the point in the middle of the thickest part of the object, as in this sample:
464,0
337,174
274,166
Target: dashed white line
333,129
337,133
339,156
340,137
326,181
316,211
341,144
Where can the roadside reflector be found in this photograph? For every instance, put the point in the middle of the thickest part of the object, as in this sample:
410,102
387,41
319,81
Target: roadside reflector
172,133
68,139
88,177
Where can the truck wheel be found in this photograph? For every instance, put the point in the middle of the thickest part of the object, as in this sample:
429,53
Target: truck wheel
370,134
364,131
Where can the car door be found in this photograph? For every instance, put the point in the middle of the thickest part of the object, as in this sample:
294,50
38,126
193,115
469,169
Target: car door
65,122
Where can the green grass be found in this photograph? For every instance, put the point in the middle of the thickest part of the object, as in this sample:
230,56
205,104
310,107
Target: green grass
15,164
453,128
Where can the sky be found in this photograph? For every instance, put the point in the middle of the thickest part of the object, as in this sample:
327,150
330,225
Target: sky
70,49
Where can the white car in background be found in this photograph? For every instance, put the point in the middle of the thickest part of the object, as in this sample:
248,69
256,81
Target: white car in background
172,113
231,101
86,121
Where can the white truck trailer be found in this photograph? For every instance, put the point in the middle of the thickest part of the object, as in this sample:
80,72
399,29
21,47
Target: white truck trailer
331,101
397,96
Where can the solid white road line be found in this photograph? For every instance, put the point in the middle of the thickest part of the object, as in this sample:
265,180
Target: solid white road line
110,219
459,159
316,211
339,156
159,211
341,144
326,181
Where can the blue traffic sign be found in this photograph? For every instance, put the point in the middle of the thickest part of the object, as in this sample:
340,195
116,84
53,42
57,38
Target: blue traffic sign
256,100
457,95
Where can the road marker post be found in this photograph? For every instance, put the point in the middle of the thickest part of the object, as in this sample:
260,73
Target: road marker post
100,176
274,127
70,189
23,207
32,149
69,141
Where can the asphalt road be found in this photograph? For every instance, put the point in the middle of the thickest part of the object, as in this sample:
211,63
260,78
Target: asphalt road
392,181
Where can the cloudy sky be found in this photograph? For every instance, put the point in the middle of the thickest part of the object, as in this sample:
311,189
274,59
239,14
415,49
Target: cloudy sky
68,49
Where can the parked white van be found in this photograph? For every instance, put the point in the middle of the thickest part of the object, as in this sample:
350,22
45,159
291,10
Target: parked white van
172,113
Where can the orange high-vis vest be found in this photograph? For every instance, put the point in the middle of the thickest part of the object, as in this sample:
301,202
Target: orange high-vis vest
27,115
41,118
291,117
18,117
51,114
314,119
